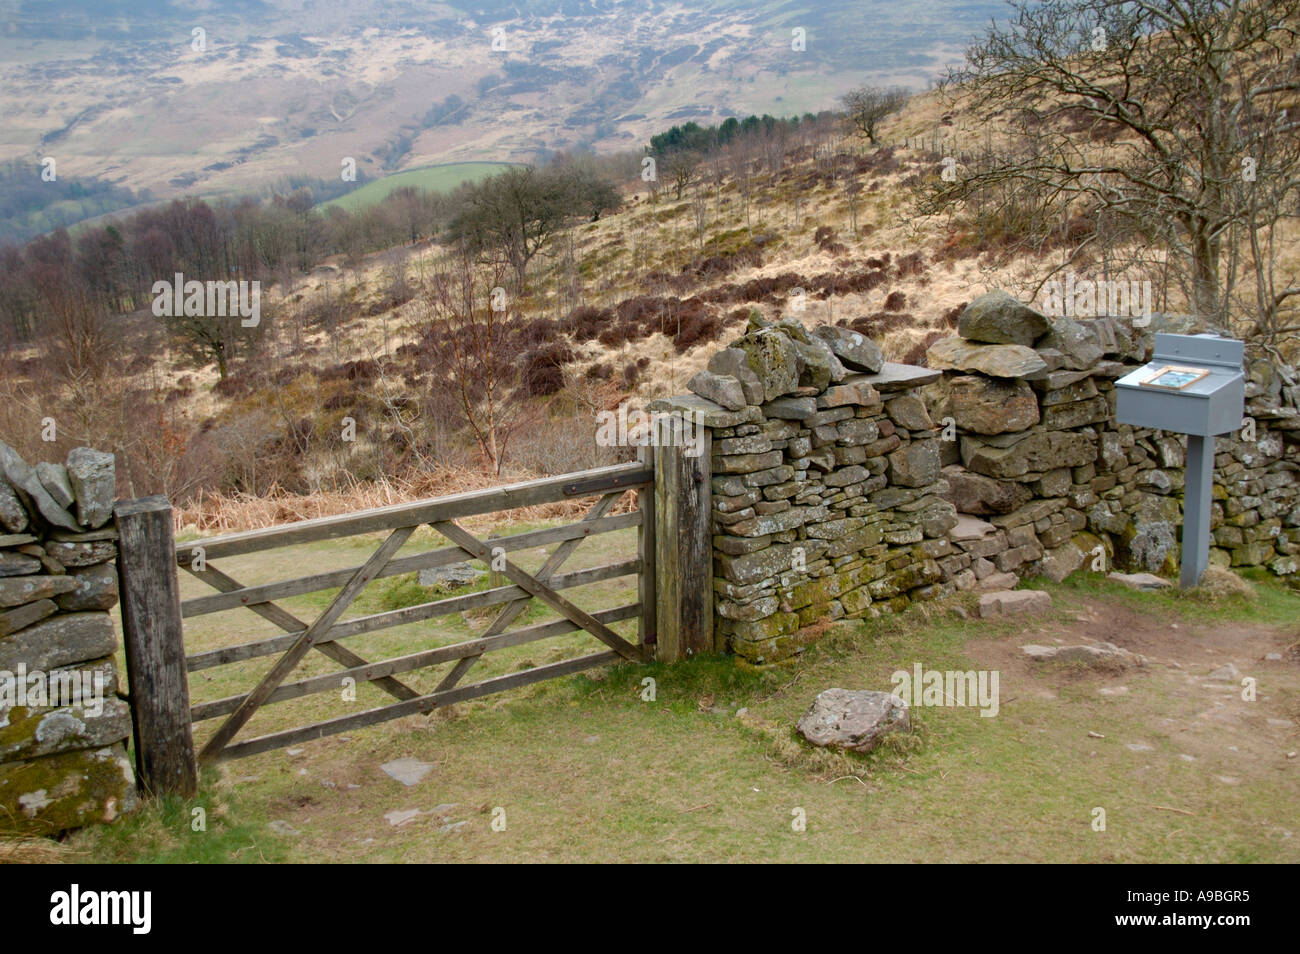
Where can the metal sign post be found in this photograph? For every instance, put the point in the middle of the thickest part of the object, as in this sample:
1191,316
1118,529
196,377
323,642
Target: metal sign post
1193,385
1198,489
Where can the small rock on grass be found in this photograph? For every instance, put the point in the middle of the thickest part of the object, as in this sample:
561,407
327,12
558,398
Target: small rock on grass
408,771
853,719
1145,582
1014,603
1104,656
402,816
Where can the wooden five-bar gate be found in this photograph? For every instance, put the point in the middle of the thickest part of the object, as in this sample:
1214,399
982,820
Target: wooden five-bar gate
673,608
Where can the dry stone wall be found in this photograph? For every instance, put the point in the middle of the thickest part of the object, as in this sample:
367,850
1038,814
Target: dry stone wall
63,728
845,486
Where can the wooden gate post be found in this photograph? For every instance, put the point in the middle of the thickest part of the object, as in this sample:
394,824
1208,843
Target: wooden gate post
683,541
155,648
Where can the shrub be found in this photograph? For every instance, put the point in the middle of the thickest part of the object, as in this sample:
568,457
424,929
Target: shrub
543,369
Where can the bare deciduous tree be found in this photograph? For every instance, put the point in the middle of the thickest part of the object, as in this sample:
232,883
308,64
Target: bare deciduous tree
466,326
868,105
1161,124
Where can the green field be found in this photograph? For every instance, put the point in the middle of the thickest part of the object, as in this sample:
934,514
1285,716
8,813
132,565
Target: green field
436,178
708,767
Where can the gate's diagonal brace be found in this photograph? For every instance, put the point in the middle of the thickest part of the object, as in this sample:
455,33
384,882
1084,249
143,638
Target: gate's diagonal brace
292,624
286,663
479,550
512,610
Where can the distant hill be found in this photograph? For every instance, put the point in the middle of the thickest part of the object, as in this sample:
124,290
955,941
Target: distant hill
125,91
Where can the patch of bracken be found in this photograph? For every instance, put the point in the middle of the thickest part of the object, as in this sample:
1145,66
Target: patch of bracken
911,264
587,322
542,370
878,324
531,334
361,371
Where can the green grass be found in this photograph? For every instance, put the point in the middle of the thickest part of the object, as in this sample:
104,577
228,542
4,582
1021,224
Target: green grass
589,768
435,178
216,827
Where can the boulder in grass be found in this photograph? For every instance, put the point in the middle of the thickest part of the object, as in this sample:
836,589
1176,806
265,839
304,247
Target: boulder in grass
1146,582
1014,603
997,318
1106,657
853,719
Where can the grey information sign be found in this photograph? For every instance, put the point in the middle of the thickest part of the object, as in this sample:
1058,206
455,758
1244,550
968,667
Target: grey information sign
1193,385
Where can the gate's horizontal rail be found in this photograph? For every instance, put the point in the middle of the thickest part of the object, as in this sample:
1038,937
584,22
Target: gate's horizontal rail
410,614
397,710
475,502
370,672
266,592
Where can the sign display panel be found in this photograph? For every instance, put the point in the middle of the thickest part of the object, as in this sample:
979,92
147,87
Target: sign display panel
1175,377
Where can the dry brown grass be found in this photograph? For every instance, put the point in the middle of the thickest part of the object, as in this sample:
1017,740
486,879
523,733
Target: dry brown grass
1218,583
231,513
33,851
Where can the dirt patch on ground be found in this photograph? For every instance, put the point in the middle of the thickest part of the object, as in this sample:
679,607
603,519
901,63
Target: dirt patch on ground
1190,705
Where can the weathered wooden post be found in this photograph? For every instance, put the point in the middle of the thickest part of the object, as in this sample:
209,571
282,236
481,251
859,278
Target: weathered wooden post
645,551
155,649
683,544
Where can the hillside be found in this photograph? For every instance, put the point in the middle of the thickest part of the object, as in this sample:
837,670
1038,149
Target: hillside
622,309
132,99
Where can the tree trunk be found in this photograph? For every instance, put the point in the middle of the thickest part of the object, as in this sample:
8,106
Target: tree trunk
1205,280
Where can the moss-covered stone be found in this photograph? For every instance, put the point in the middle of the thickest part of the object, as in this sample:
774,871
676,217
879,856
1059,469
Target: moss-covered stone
856,602
31,731
778,624
751,567
68,790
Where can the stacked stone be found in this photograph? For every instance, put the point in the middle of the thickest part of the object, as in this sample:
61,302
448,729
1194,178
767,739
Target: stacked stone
827,498
844,486
1256,508
1038,452
61,765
